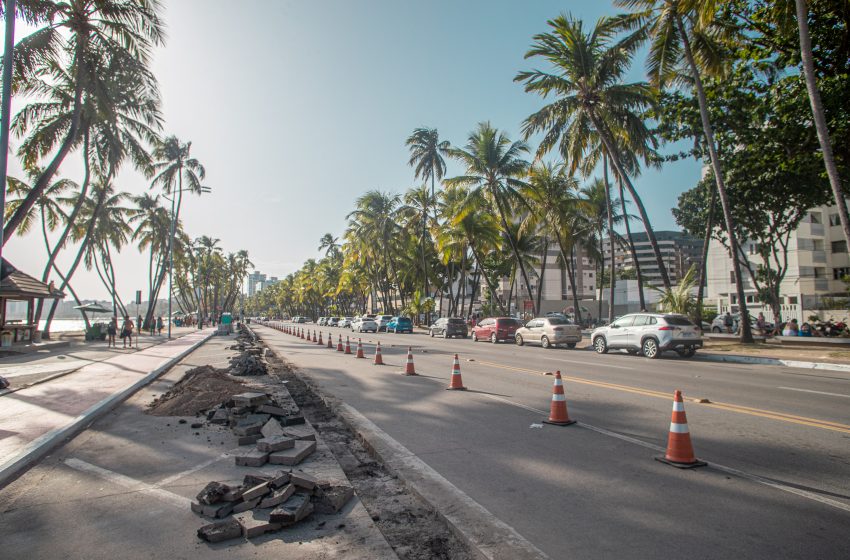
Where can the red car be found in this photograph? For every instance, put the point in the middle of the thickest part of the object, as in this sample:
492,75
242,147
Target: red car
495,329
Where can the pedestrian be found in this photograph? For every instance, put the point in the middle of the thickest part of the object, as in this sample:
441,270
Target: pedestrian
127,332
159,325
111,331
728,322
791,328
760,322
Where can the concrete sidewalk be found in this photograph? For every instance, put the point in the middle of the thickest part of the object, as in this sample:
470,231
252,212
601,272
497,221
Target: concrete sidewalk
35,420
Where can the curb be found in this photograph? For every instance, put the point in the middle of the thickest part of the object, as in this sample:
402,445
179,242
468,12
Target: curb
771,362
46,443
488,537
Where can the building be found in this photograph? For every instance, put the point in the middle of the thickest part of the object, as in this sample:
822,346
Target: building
257,282
678,252
817,260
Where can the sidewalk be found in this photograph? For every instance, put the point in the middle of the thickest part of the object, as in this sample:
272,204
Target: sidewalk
34,420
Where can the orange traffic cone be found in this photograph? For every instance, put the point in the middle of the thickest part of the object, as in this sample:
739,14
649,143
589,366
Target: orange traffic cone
409,369
347,346
360,348
314,336
558,410
379,360
457,381
339,344
331,341
320,342
680,452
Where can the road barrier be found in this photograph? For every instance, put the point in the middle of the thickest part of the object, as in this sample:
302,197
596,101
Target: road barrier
331,340
339,344
680,451
409,369
558,415
347,346
359,348
379,360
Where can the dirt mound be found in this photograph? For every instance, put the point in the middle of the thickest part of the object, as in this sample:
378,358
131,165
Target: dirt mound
202,388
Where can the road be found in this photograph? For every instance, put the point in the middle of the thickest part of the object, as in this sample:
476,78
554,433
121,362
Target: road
777,441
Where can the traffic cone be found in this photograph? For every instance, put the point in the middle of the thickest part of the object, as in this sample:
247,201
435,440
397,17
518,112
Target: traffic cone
331,341
347,346
457,381
558,415
379,360
339,344
320,342
314,337
680,452
360,348
409,369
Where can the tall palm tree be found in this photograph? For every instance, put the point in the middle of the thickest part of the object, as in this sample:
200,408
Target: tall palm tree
110,233
152,232
671,45
592,103
494,167
330,244
79,36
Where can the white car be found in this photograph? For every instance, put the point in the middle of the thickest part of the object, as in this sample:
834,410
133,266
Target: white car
345,322
650,334
364,324
382,321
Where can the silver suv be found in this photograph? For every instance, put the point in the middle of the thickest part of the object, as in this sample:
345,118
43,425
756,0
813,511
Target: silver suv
650,334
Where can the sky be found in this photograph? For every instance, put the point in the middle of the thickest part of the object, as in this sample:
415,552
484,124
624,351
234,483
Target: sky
297,107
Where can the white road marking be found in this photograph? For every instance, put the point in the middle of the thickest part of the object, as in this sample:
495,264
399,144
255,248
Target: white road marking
815,392
571,361
196,468
729,470
129,483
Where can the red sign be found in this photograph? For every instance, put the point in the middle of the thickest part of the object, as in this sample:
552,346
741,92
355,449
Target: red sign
528,305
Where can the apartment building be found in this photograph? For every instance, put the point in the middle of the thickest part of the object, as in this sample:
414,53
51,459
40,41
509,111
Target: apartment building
817,259
257,282
678,252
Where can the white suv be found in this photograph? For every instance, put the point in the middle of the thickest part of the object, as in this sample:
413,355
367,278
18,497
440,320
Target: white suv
650,334
382,321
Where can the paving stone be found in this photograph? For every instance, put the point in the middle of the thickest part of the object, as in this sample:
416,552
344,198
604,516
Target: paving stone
333,499
293,510
293,456
250,399
249,440
252,458
250,480
245,506
278,496
217,511
244,428
256,491
232,495
212,493
281,479
197,508
275,443
274,410
262,418
302,432
256,523
303,480
221,531
272,428
220,416
292,420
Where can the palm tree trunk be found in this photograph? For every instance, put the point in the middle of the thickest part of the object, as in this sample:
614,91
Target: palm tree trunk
487,279
609,210
516,254
746,333
6,106
820,119
709,228
632,249
600,276
542,270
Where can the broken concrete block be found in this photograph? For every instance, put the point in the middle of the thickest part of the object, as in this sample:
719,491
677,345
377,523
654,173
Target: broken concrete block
250,399
272,428
293,510
278,496
249,440
256,492
251,480
245,506
293,456
245,428
275,443
303,432
258,418
280,480
292,420
303,480
232,495
273,410
197,508
256,523
221,531
333,499
212,493
220,416
217,511
252,458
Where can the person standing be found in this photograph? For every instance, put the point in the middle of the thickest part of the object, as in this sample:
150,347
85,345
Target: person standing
159,325
127,331
728,322
111,331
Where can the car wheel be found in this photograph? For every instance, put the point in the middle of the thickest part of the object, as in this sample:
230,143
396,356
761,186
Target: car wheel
650,349
600,345
715,330
519,340
687,352
544,342
474,337
571,345
493,338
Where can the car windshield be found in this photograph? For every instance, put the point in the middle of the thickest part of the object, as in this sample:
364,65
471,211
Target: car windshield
677,321
508,323
558,321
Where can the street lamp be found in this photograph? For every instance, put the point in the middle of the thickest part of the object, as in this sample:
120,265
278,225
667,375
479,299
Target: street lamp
171,248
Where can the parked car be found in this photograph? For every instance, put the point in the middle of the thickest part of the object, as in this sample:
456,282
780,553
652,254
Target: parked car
649,333
364,324
549,331
333,321
382,321
496,329
345,322
322,321
449,326
718,325
400,324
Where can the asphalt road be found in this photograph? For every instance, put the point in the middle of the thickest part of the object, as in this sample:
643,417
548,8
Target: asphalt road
777,441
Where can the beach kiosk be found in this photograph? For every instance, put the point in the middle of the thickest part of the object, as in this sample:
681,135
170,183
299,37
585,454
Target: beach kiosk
17,286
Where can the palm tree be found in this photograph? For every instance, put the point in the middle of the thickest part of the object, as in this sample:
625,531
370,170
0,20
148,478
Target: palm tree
83,34
671,43
330,244
111,232
593,106
494,167
414,212
152,232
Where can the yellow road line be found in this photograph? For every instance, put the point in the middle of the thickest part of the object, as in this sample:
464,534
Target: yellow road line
781,416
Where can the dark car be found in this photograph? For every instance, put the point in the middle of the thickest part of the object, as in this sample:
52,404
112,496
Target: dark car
400,324
496,329
448,327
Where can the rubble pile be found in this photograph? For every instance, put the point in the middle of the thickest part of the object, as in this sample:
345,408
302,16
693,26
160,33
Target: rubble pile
265,503
252,360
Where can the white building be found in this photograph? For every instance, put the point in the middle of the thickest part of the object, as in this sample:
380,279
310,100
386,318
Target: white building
678,252
817,259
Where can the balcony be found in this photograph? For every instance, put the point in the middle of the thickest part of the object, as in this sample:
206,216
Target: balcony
819,257
821,284
808,229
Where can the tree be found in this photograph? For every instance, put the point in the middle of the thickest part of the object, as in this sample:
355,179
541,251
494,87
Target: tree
152,232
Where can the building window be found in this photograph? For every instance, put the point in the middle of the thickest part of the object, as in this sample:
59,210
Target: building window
839,246
839,273
834,220
819,272
732,276
815,218
792,300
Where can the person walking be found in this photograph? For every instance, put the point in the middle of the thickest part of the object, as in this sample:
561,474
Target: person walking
111,331
127,332
728,322
159,325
